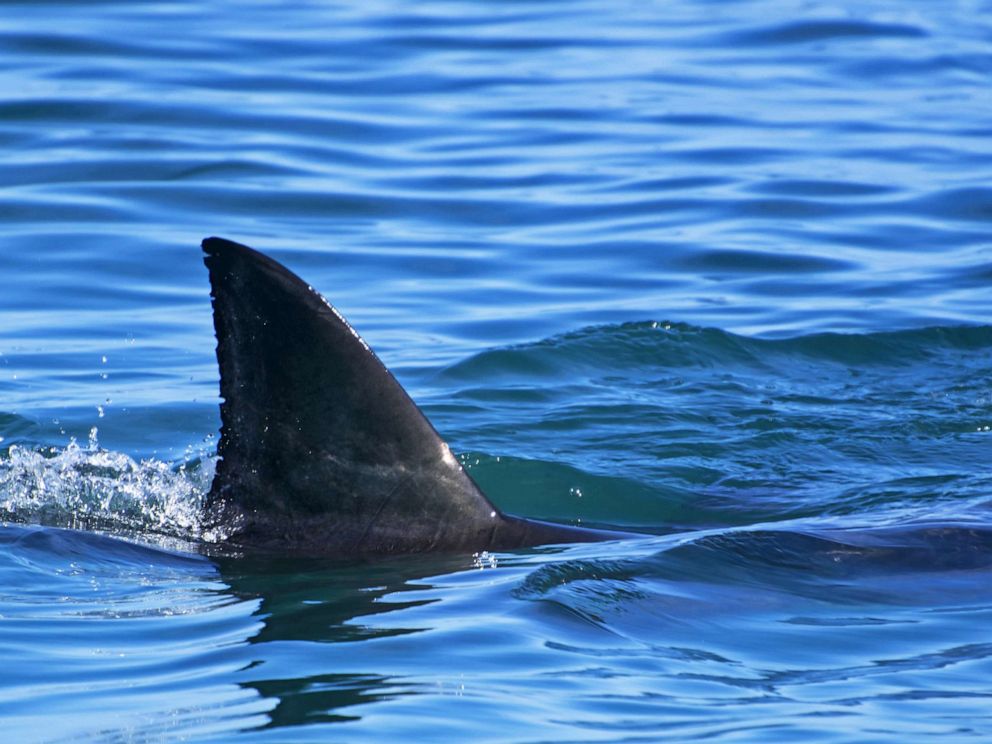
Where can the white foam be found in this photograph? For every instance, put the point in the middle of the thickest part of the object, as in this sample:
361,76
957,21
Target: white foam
92,487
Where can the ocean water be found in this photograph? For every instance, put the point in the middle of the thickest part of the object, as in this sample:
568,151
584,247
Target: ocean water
715,272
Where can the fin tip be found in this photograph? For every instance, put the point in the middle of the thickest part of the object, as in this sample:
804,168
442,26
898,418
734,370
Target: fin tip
214,246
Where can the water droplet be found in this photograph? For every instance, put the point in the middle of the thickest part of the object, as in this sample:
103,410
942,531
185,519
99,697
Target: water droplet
485,559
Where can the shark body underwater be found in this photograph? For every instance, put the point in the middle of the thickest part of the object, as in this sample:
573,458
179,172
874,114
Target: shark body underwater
321,450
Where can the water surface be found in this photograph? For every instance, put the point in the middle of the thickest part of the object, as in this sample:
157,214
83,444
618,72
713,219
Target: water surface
713,272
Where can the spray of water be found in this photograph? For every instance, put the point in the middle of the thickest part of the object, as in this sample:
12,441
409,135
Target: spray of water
92,488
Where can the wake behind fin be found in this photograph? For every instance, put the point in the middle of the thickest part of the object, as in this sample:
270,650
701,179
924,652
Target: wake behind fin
321,450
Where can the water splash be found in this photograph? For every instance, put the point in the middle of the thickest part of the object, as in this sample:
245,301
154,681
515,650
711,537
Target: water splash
92,488
484,560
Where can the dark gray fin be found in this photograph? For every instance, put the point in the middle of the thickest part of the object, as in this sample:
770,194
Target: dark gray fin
321,449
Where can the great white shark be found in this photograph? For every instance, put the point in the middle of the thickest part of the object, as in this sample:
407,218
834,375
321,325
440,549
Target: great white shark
321,450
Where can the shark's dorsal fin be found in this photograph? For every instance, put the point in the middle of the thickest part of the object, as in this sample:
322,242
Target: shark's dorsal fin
316,433
321,449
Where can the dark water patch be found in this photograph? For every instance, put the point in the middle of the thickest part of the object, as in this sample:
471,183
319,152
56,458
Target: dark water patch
532,44
887,238
899,347
133,168
552,115
693,120
362,83
158,118
494,182
761,262
934,156
821,188
48,45
38,209
968,204
803,32
683,183
728,155
968,67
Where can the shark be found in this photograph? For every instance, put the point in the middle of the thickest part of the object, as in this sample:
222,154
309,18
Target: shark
321,450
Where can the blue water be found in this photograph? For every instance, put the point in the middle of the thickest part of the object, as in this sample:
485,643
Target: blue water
712,271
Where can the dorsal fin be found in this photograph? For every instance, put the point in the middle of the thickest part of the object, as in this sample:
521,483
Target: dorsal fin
321,450
320,446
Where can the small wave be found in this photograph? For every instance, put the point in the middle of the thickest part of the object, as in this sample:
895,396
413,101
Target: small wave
647,344
664,423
